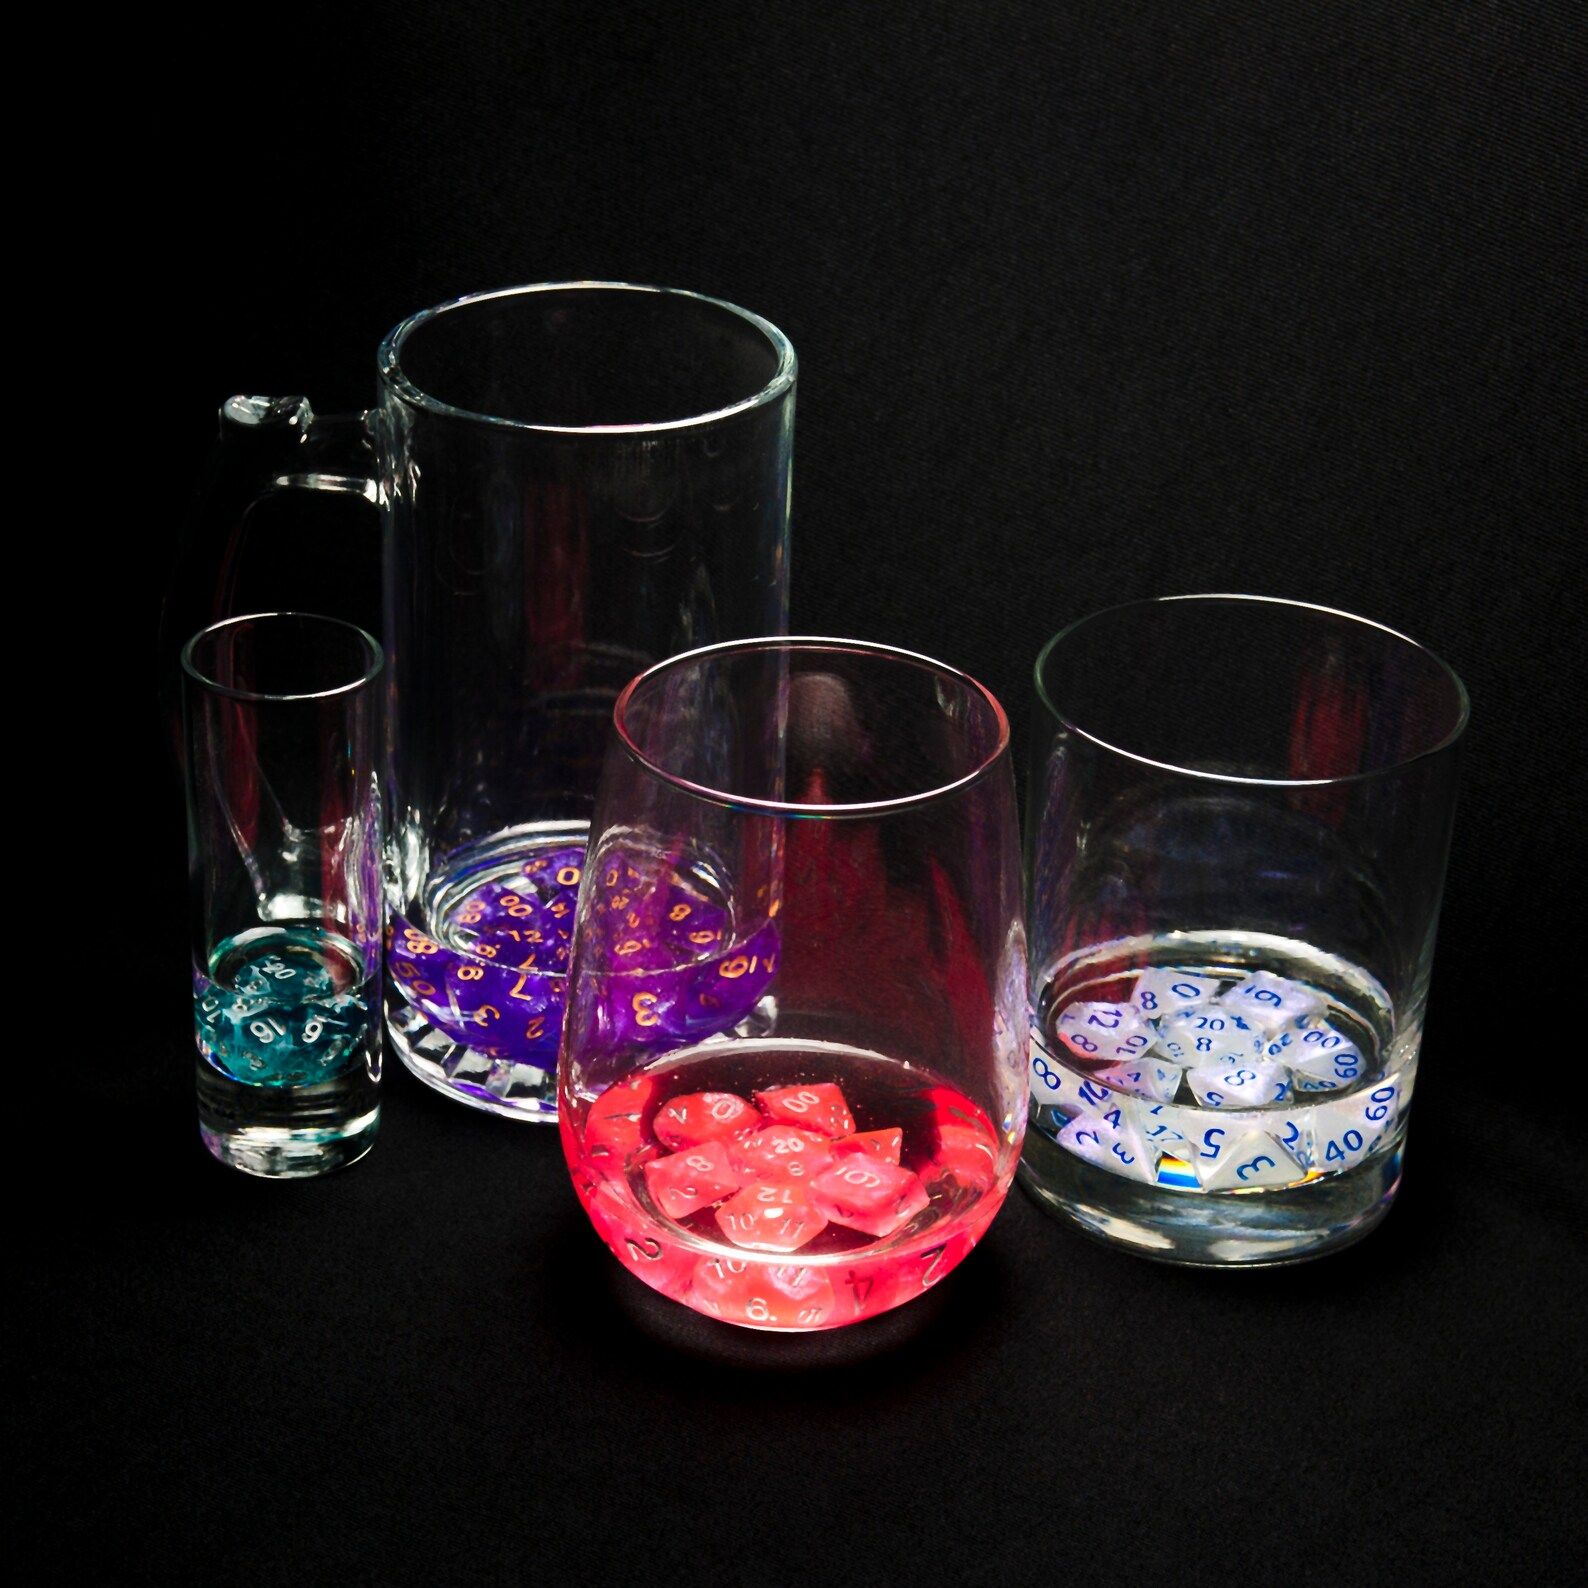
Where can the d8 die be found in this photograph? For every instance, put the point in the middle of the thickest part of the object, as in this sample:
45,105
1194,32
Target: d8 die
1170,992
1270,1001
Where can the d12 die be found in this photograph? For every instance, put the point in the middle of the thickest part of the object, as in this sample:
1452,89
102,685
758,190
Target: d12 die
697,1117
869,1195
1171,992
685,1182
819,1107
776,1217
1250,1162
1102,1032
780,1152
1270,1001
884,1144
762,1295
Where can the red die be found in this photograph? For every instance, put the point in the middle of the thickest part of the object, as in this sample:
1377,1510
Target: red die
970,1155
781,1152
866,1194
760,1295
819,1107
613,1127
703,1116
771,1218
685,1182
883,1144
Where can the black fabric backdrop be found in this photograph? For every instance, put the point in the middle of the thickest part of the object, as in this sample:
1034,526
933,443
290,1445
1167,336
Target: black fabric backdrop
1093,301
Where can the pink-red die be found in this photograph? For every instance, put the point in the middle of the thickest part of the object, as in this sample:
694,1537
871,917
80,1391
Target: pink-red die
781,1152
785,1296
614,1126
689,1120
819,1107
685,1182
884,1144
864,1193
970,1155
772,1217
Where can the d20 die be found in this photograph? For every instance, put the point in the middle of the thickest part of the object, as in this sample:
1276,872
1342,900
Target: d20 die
1171,992
685,1182
1250,1162
819,1107
771,1218
1097,1141
698,1117
884,1144
780,1152
762,1295
1207,1036
1270,1001
1160,1134
868,1195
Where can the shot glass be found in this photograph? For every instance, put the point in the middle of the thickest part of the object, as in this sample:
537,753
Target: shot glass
792,1083
1239,816
281,723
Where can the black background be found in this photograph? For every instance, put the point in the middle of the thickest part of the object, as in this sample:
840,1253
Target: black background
1092,301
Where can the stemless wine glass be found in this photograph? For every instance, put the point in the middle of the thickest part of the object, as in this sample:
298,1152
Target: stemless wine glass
791,1088
1236,868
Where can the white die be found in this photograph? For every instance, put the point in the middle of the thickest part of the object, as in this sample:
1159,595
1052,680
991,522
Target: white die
1323,1061
1160,1132
1252,1161
1270,1001
1253,1084
1099,1143
1149,1077
1102,1032
1354,1129
1207,1036
1170,992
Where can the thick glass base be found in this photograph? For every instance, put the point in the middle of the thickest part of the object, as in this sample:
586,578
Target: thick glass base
1233,1229
513,1089
274,1152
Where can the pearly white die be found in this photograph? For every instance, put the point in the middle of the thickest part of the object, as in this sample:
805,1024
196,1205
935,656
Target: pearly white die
1270,1002
1170,992
1253,1161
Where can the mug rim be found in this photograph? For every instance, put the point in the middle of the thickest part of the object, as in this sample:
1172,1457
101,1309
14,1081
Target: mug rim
389,362
997,755
1389,768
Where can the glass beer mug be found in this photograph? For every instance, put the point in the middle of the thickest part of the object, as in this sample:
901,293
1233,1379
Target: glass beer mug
574,481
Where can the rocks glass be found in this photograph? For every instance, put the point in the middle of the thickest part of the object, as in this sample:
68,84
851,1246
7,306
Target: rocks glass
1239,816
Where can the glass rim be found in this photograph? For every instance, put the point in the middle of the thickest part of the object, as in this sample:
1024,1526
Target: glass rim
374,659
814,644
1463,701
389,361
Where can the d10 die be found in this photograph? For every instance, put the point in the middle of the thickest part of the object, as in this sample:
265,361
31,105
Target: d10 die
1099,1143
777,1217
1250,1162
698,1117
780,1152
1330,1062
819,1107
1171,992
685,1182
1355,1128
1270,1001
869,1195
1208,1036
1251,1085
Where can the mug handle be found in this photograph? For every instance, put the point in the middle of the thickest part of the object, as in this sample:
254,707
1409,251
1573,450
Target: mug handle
266,445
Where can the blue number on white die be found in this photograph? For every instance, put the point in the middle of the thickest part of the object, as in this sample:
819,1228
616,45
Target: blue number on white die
1296,1140
1161,992
1212,1143
1342,1065
1048,1081
1251,1162
1159,1133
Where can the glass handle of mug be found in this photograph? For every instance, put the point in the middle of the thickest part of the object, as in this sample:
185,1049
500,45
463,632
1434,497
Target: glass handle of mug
266,445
